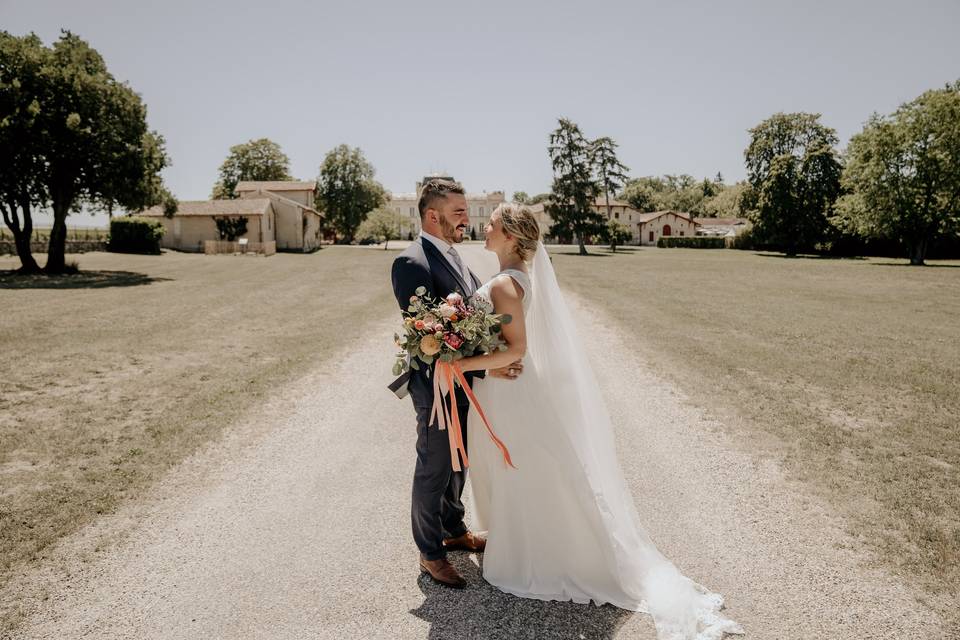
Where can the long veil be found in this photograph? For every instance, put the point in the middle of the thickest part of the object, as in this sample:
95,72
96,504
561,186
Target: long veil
567,385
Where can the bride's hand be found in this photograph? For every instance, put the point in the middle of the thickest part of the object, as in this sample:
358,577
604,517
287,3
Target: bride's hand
509,372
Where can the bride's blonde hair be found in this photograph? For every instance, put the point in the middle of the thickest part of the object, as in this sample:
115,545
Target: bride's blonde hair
518,221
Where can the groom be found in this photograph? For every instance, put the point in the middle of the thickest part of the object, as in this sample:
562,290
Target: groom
433,262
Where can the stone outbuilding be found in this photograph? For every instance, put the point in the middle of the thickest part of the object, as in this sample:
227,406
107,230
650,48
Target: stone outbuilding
280,216
298,223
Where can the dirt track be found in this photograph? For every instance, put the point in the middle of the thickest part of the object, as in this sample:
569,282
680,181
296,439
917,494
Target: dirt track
296,525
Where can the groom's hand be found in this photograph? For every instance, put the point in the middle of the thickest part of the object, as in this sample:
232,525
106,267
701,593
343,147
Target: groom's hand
509,372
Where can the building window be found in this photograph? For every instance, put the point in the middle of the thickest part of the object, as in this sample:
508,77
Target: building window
481,210
681,231
411,212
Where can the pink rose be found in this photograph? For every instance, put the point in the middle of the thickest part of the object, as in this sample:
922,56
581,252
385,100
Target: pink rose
454,340
454,299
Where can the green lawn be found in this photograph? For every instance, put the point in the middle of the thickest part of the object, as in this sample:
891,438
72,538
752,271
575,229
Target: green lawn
846,370
113,376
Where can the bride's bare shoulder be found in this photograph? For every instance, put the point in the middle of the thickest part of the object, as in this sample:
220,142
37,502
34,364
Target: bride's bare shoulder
506,287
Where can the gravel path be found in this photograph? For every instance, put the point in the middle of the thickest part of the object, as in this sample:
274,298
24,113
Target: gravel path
296,525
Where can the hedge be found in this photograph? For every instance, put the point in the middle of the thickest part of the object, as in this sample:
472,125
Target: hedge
131,234
693,242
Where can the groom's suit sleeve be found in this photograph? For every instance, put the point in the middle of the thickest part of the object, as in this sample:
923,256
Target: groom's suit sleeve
408,275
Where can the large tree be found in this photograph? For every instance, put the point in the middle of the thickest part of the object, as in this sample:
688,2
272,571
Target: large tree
255,160
347,190
641,195
574,187
89,145
22,86
794,173
903,174
382,225
670,192
611,174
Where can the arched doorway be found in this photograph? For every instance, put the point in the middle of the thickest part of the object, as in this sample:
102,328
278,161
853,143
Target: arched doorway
666,230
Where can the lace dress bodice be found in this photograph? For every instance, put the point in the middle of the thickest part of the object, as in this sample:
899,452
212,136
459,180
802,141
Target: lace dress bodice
519,277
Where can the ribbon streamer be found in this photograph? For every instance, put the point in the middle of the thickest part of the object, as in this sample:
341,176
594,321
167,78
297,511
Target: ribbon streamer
449,416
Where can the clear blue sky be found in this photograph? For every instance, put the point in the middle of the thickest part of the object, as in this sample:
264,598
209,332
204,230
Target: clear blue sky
474,89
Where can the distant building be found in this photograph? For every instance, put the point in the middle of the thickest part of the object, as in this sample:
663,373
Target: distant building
479,206
276,212
728,227
659,224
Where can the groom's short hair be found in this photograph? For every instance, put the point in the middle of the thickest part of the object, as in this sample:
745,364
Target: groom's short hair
437,189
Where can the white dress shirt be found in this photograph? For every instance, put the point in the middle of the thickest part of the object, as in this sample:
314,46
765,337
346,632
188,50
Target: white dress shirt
444,248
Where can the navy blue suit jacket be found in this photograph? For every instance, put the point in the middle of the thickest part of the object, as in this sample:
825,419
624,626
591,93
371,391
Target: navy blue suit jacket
423,265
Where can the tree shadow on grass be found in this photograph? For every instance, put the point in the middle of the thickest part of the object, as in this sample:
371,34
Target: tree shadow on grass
920,266
808,257
80,280
482,611
577,254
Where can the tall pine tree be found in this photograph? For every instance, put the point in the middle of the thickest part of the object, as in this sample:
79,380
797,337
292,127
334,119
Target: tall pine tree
611,173
574,187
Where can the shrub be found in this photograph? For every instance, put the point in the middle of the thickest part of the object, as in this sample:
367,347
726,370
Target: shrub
131,234
692,242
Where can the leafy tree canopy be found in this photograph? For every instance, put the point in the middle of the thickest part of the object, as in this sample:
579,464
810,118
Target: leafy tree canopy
256,160
902,174
347,190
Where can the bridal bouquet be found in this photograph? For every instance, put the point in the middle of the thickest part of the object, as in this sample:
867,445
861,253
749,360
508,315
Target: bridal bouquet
443,332
447,330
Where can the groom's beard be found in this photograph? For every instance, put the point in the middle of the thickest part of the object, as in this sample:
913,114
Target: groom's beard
450,233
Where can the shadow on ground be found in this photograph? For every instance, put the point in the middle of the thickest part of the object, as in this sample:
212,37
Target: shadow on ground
808,257
482,611
81,280
922,266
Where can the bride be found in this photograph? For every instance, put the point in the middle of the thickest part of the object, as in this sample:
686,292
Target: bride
562,525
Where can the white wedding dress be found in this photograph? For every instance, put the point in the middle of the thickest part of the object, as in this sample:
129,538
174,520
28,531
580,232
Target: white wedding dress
562,525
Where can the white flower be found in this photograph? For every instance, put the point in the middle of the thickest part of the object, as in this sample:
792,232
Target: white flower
447,310
482,303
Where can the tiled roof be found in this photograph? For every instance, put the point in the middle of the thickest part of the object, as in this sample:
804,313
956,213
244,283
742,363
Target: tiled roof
602,202
720,221
279,185
492,195
647,217
239,207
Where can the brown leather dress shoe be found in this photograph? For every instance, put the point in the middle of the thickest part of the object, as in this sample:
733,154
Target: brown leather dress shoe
443,572
467,542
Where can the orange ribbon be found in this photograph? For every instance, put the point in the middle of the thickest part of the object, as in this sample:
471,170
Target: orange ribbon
452,375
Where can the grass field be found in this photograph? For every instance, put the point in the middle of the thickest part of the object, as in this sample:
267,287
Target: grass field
113,376
847,371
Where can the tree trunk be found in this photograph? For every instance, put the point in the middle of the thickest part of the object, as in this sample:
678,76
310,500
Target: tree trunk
918,252
56,250
583,248
21,236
